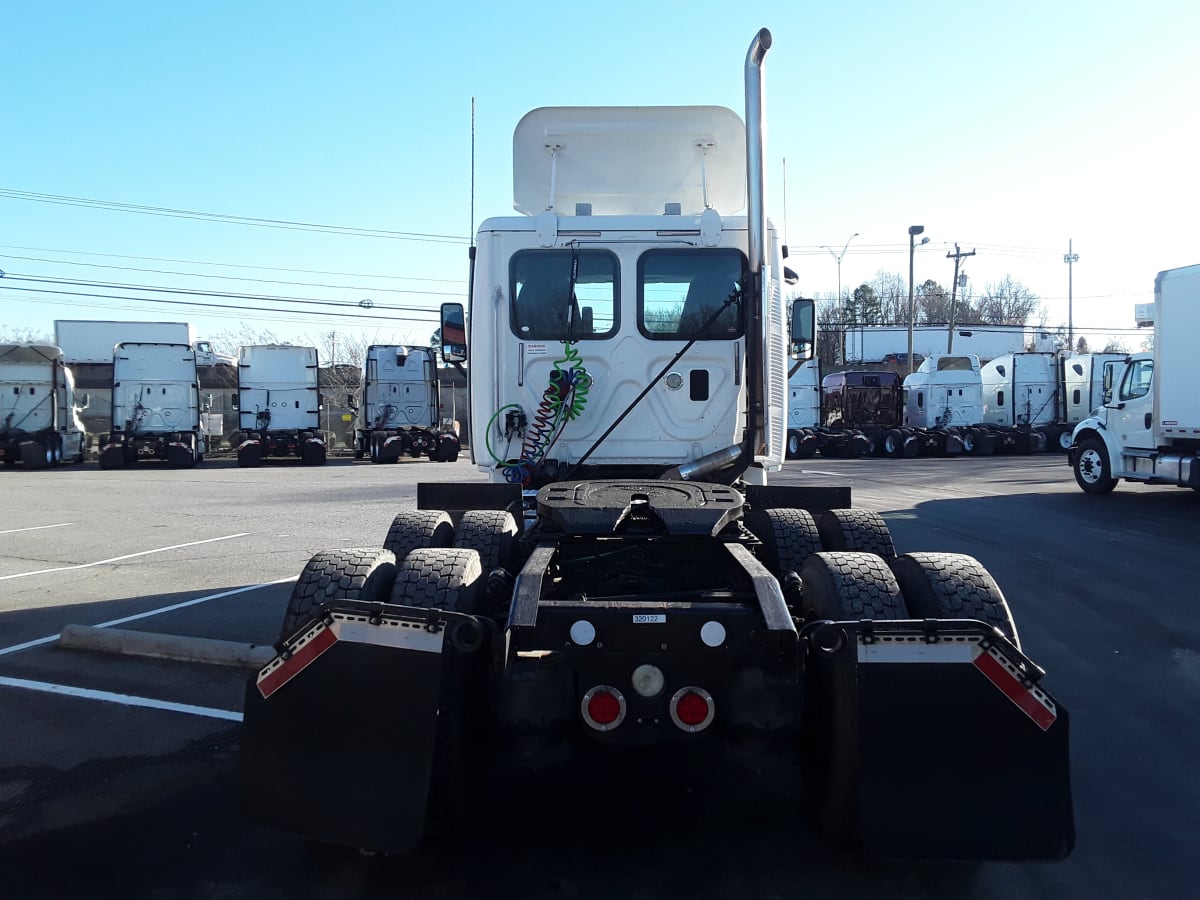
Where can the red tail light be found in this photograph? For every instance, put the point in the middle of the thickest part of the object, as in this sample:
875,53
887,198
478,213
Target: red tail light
692,709
603,707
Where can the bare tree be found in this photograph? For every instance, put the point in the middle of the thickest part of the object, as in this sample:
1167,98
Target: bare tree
230,341
1115,345
1008,302
932,302
892,290
829,332
13,334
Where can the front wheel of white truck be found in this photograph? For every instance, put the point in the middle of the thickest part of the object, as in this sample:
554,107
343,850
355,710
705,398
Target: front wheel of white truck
1093,471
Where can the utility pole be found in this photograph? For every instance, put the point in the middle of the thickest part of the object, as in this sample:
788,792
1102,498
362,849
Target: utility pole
1070,258
957,255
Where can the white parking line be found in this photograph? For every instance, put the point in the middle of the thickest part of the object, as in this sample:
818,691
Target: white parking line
123,699
101,562
37,527
154,612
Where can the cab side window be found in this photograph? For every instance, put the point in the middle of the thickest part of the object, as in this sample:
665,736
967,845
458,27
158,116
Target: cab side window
545,306
1137,380
690,294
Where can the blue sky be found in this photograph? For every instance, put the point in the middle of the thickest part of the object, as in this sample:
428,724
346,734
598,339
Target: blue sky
1009,128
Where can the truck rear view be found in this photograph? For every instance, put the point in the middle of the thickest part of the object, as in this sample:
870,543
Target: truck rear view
39,410
279,405
400,412
155,407
627,594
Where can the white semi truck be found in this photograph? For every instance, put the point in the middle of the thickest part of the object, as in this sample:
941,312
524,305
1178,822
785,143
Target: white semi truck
39,408
85,341
400,413
1047,392
279,405
155,407
1148,426
626,593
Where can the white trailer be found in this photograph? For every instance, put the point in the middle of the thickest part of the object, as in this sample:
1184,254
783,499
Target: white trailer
1148,426
400,409
87,342
39,409
279,405
874,343
155,406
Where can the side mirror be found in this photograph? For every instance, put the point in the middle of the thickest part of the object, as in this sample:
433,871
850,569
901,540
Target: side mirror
454,332
802,331
82,401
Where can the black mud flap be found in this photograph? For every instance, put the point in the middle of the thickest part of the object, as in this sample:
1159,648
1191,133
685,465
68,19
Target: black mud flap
960,753
338,730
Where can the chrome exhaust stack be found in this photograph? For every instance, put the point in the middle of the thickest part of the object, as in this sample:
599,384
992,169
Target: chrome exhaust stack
756,391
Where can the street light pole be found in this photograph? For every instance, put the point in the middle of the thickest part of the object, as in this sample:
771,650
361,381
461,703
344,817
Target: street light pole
913,231
1070,259
841,313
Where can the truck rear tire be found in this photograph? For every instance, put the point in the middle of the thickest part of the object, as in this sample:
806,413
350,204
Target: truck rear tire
840,586
451,579
312,453
952,586
250,455
356,574
789,537
1093,471
418,528
858,530
34,455
492,533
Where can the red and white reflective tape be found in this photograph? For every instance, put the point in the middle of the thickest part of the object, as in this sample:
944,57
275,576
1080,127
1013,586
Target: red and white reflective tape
354,629
991,663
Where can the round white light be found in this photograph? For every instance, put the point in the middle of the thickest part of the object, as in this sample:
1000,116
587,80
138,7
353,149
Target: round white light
583,632
713,634
648,680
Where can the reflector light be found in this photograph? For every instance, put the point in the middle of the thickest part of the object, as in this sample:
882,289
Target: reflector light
692,709
648,680
603,707
583,632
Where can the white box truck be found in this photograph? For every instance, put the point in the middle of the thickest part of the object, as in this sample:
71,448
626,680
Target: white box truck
93,342
279,405
155,407
400,412
39,409
1148,428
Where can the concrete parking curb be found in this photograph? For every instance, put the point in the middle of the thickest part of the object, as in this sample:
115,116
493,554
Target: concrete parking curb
166,646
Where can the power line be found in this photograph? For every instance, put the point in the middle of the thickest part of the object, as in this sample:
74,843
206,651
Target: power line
228,219
232,295
222,306
197,262
241,278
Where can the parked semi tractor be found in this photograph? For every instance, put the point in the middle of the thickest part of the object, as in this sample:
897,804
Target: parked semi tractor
279,405
39,408
155,407
1148,426
804,409
626,584
1049,393
85,341
401,410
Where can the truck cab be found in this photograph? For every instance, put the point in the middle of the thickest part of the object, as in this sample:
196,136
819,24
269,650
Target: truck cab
609,327
1148,428
946,391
